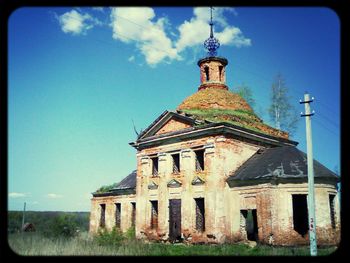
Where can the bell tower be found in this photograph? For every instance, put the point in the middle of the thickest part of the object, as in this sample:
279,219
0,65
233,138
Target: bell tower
212,67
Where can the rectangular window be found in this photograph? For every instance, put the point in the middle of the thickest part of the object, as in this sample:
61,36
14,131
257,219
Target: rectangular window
133,214
220,73
154,214
332,212
154,166
200,214
176,163
118,213
300,214
102,215
199,160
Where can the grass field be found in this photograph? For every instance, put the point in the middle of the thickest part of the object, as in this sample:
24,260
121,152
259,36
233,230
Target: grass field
36,244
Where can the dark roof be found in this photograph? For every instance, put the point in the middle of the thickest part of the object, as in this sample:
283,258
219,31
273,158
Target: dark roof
279,163
125,186
128,182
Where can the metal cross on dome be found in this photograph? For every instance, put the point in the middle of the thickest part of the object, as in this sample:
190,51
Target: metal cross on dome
212,43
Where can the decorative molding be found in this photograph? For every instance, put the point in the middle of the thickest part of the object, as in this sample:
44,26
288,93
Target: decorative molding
162,157
186,153
152,186
144,160
209,146
174,183
197,181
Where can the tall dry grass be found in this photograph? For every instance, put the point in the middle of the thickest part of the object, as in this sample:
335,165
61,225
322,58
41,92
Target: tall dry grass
27,244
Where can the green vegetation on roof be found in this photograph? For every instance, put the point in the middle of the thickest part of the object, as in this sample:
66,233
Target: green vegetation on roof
105,188
240,118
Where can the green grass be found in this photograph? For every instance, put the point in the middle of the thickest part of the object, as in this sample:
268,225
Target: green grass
213,113
36,244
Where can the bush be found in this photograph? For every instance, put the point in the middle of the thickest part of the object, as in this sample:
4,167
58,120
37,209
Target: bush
131,234
64,225
114,237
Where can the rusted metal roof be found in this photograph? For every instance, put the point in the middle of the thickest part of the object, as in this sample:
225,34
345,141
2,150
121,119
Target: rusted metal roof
285,162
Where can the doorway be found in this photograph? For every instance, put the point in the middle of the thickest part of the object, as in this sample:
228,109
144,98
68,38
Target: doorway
175,220
251,224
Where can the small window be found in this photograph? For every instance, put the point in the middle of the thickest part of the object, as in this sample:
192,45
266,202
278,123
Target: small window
199,160
332,212
206,70
176,163
154,214
300,214
133,214
154,166
200,214
102,215
118,213
220,73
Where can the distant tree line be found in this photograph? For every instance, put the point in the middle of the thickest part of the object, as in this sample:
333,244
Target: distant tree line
51,224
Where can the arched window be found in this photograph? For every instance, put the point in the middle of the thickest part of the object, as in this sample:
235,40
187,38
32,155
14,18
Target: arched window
220,73
206,70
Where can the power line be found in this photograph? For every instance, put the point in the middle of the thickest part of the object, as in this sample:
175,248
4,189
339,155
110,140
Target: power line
325,127
336,125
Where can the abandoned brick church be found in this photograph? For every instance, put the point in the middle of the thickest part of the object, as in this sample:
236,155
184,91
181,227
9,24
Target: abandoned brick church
211,171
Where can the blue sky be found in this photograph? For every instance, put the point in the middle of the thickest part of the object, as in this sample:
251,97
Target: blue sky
79,77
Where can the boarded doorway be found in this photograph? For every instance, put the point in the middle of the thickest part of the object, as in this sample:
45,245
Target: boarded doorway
175,220
251,224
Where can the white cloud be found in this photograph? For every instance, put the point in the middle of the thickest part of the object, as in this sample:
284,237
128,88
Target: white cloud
195,31
135,25
76,23
17,195
54,196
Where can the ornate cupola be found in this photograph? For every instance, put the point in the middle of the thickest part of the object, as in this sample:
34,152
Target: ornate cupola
212,67
214,102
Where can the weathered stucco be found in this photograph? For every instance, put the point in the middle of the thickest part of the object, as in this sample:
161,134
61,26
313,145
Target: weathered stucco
223,205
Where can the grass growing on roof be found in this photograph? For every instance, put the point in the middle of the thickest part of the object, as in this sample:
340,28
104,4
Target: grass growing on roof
106,188
242,118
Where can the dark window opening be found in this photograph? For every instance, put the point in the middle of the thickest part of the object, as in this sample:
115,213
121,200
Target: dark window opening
154,214
200,214
118,213
154,166
206,70
133,214
251,224
300,214
332,212
199,160
220,72
102,216
176,163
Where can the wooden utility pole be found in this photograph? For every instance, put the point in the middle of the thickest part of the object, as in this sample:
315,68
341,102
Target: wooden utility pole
24,211
310,175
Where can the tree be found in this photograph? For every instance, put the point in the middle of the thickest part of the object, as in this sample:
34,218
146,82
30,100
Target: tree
246,93
281,111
